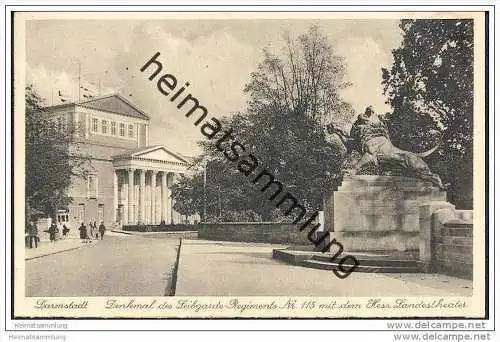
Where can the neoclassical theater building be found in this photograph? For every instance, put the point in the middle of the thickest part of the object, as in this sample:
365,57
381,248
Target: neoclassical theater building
129,181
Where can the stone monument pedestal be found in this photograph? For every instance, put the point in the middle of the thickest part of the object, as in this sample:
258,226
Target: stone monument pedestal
378,213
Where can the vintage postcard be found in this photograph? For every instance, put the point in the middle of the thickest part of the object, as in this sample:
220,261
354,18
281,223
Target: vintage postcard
250,164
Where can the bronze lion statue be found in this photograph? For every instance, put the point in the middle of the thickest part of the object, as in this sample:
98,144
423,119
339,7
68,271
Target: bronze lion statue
370,136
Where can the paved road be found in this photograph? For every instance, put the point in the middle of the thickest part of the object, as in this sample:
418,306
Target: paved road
116,266
211,268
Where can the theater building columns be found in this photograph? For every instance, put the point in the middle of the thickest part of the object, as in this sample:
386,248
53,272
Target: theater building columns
153,204
142,184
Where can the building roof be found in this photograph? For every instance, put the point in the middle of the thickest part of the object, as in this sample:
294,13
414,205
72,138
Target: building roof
113,103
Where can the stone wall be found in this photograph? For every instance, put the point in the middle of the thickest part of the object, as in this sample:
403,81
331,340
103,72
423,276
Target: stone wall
158,228
446,244
265,232
453,250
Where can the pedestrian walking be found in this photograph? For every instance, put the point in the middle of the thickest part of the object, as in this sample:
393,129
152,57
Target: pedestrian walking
32,234
96,231
53,230
102,229
90,232
90,229
83,232
65,230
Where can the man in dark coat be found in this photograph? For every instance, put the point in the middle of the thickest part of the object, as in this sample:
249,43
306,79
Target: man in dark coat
53,230
32,234
102,229
83,232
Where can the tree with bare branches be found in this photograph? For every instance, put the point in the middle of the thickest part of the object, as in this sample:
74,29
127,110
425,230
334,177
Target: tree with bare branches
305,79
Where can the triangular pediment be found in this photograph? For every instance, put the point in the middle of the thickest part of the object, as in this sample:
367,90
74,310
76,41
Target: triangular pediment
159,153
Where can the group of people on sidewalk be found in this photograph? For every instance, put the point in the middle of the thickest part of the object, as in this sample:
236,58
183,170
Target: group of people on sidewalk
92,232
32,233
86,234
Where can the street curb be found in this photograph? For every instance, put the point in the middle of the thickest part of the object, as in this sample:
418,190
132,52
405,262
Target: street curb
175,271
52,253
172,232
178,275
121,232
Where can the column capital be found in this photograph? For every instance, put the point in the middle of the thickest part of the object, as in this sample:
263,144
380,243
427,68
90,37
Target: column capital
131,169
154,172
142,171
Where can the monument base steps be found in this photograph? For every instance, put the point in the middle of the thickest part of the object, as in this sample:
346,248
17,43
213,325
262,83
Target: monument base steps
373,262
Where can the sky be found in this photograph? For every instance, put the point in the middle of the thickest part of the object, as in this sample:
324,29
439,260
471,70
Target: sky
215,56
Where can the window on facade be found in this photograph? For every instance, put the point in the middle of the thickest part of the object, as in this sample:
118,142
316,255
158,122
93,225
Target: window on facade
104,127
95,124
113,128
92,186
122,130
130,131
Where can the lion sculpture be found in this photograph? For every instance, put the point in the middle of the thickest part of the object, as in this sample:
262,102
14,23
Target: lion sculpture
371,136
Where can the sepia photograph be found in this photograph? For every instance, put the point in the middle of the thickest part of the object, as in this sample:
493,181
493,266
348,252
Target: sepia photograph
259,165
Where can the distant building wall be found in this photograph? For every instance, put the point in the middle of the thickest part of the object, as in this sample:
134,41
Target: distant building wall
92,205
143,140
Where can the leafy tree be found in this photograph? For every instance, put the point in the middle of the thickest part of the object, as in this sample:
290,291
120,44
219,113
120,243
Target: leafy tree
51,158
237,216
188,194
292,96
227,194
430,87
